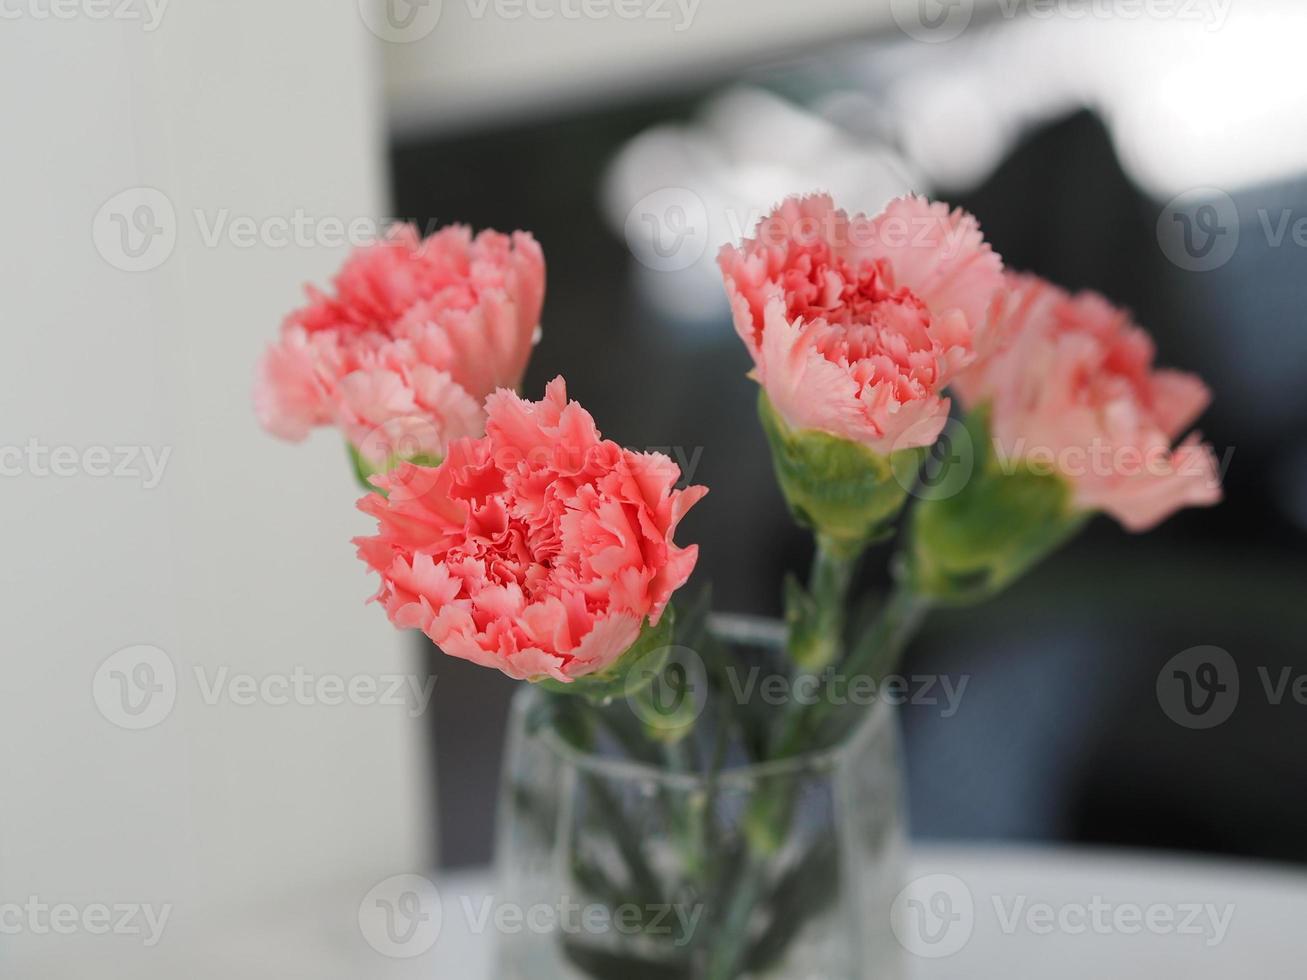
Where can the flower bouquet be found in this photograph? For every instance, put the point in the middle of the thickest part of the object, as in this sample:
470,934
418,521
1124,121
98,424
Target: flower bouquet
679,816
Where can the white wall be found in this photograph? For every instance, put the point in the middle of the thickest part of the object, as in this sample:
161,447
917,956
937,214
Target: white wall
240,557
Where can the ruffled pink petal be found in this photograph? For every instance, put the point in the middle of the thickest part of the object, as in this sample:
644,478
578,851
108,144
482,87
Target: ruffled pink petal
938,253
1071,384
539,549
857,324
1189,477
401,312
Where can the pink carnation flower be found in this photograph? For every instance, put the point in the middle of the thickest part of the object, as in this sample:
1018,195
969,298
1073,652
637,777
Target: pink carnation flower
416,335
540,549
1073,391
855,325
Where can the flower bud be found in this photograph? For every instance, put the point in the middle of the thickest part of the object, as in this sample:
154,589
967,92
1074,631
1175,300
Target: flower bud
841,489
971,544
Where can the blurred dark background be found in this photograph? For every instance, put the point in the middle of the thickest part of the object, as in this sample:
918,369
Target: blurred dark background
1060,735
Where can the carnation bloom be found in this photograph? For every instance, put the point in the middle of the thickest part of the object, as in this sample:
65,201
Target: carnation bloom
416,335
855,325
1073,391
540,549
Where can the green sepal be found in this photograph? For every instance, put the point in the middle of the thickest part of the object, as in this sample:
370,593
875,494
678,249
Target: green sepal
971,544
839,488
630,673
365,470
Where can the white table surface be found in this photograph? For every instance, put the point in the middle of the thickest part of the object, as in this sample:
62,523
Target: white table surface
1054,914
1017,897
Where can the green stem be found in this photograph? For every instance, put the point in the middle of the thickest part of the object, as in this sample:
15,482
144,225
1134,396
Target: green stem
816,640
816,615
880,648
728,951
816,627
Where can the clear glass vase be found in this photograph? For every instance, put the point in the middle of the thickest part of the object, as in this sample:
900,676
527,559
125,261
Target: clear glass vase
623,866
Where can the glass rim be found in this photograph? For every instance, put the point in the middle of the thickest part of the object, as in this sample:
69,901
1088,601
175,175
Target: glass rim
737,628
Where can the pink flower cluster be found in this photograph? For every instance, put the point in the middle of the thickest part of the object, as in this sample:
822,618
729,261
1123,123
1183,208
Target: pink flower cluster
540,549
417,333
857,324
1073,390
